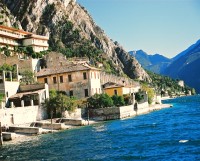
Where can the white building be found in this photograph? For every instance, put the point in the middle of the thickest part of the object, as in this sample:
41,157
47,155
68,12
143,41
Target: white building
181,83
15,37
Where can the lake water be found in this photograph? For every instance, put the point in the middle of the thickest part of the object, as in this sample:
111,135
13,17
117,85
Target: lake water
168,134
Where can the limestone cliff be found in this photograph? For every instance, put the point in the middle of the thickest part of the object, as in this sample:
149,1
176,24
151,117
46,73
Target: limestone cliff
47,17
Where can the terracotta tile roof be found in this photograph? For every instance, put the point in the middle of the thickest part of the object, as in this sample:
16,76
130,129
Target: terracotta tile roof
64,69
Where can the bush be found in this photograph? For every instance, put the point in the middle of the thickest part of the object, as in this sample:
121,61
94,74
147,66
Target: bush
100,101
118,100
128,99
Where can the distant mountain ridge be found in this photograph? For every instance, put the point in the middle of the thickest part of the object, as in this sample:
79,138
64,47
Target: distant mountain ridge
184,66
155,63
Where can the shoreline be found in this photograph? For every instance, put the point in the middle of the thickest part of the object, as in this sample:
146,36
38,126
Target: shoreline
20,138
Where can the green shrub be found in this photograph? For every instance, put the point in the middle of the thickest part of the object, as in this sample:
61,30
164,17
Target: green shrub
118,100
100,101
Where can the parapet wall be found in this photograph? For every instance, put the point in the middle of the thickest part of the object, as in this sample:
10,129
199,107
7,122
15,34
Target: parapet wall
23,64
113,113
21,115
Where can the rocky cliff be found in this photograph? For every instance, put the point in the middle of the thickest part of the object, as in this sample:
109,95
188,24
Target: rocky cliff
47,17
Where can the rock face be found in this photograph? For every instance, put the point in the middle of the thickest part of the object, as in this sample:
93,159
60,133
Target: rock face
46,16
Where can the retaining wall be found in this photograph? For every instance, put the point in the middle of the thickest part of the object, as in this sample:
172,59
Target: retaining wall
21,115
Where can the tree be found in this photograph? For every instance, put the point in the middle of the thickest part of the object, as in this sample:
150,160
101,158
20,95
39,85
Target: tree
100,101
27,77
58,103
118,100
30,51
139,96
150,93
6,51
105,101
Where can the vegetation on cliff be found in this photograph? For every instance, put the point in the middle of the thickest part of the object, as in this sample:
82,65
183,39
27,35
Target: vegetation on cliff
165,85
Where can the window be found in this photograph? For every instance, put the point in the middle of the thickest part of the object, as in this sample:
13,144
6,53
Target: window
115,92
84,75
71,93
45,80
61,79
86,93
70,78
54,80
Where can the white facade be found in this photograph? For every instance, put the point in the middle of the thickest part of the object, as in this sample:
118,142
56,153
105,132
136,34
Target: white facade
95,83
14,37
181,83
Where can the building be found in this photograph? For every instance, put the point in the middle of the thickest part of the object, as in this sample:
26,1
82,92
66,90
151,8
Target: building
181,83
78,80
21,95
12,37
112,88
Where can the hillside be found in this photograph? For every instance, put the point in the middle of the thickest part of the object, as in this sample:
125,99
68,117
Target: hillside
155,63
72,32
186,66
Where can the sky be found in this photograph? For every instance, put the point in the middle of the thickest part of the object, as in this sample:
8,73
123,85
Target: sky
165,27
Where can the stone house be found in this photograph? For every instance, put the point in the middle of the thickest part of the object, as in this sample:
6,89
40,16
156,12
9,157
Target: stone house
78,80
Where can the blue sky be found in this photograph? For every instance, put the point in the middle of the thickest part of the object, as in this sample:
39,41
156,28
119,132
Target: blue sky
166,27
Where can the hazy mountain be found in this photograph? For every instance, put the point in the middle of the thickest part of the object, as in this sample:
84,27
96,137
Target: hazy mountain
155,63
186,65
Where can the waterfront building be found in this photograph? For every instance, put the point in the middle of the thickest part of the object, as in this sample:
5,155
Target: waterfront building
112,88
21,104
77,80
13,37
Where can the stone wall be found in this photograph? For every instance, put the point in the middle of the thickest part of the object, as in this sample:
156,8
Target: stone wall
21,115
77,114
105,77
113,113
23,64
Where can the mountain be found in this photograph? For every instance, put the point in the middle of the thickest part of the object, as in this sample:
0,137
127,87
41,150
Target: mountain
186,65
71,31
189,49
155,63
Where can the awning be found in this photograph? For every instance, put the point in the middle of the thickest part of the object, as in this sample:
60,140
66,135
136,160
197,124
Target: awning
20,95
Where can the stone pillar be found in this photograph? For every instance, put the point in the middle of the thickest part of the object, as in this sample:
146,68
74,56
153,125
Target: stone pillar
4,76
133,98
32,104
39,99
22,103
11,76
1,137
11,104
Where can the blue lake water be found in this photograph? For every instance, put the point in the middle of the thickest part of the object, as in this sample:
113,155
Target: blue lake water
167,134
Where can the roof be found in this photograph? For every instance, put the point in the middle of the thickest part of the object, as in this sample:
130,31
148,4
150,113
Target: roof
11,29
109,85
64,69
20,95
